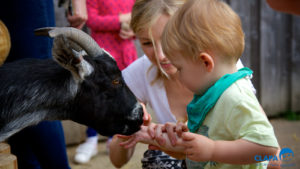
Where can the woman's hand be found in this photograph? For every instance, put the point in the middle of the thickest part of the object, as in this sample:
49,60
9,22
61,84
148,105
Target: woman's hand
146,117
125,18
171,129
140,136
126,34
79,16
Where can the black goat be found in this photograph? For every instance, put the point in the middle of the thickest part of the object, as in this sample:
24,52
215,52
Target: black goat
87,89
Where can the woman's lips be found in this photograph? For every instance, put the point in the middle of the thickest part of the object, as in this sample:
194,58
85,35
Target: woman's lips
165,65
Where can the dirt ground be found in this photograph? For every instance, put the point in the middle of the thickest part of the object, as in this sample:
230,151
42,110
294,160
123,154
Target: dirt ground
287,132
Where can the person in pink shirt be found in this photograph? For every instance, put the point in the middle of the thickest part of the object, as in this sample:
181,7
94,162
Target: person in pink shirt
108,21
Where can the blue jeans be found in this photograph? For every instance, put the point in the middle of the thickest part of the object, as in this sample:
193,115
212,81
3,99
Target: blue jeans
22,18
90,132
41,146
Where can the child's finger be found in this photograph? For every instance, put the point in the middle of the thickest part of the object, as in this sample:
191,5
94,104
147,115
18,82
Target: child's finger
180,128
185,144
159,136
188,136
171,134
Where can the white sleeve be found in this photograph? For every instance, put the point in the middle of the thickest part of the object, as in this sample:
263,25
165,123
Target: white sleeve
240,65
134,76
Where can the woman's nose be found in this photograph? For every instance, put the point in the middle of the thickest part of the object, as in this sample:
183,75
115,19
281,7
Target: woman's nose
160,53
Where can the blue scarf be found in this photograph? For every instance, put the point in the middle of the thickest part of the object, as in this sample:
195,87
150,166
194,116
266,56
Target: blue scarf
198,108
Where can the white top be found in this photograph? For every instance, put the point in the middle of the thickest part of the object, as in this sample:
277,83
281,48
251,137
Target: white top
138,78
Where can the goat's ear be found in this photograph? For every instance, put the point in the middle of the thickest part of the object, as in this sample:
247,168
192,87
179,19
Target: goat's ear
70,56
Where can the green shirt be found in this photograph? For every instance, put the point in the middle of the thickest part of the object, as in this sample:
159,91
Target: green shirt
236,115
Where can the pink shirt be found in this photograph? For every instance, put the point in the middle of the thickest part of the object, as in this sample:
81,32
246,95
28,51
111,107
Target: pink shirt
103,20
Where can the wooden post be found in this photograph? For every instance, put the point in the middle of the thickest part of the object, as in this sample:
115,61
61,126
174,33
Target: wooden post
4,42
8,161
4,148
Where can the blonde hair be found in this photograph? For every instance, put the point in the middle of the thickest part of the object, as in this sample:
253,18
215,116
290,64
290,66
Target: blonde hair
204,26
144,15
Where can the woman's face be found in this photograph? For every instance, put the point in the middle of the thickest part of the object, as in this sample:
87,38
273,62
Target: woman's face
148,48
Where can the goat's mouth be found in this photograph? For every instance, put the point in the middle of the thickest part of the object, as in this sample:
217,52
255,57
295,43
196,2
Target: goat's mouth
129,130
134,122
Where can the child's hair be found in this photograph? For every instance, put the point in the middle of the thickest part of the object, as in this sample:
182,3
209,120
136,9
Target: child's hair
146,12
204,26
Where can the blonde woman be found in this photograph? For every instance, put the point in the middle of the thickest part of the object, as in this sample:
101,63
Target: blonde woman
153,80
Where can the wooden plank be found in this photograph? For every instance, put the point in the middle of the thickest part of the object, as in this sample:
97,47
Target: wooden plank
295,62
249,13
75,133
275,55
8,161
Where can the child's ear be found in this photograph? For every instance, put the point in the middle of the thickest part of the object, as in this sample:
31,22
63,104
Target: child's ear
208,61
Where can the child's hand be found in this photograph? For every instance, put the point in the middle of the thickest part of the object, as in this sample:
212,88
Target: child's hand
197,147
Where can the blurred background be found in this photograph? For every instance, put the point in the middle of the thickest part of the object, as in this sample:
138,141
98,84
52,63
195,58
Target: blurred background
272,51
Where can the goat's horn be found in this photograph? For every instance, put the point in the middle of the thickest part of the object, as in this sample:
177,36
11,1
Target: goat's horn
82,39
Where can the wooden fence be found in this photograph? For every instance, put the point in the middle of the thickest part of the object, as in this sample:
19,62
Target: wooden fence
272,51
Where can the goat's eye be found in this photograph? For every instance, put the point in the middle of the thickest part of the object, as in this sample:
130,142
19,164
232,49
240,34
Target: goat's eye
115,82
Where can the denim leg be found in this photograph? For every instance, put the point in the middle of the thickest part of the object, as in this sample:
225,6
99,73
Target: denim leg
91,132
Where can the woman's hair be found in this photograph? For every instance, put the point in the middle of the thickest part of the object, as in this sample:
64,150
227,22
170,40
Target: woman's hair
204,26
145,13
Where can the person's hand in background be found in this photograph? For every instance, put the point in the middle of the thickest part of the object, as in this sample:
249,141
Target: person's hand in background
125,32
288,6
79,16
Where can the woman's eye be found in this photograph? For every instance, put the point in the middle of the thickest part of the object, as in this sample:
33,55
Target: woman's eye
146,43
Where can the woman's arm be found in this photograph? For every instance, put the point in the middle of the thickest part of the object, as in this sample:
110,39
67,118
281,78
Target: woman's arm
103,23
288,6
118,155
